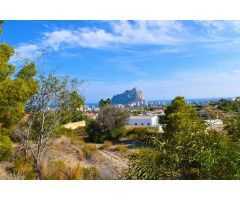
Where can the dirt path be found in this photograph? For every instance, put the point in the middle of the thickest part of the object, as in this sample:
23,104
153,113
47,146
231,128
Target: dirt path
110,164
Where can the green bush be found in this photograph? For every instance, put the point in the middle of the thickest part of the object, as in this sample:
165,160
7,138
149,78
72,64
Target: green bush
140,133
5,148
109,124
117,133
24,168
96,133
60,130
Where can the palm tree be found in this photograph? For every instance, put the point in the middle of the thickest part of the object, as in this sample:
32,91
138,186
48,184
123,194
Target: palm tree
101,103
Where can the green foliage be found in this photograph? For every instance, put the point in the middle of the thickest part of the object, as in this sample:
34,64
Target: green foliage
103,103
181,117
229,106
5,148
1,22
14,93
232,127
71,111
24,168
60,130
109,124
136,112
116,133
186,150
141,133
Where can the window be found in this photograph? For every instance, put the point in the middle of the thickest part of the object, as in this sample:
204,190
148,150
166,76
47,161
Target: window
148,124
135,124
127,123
142,124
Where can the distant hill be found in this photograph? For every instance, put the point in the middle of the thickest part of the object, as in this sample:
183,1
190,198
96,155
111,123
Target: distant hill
129,96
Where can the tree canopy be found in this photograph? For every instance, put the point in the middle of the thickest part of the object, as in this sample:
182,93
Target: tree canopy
14,92
103,103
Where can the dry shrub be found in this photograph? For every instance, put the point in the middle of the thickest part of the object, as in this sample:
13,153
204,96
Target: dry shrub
58,170
106,145
75,140
80,155
120,147
91,173
89,150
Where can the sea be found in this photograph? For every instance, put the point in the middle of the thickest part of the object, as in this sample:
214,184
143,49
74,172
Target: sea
168,101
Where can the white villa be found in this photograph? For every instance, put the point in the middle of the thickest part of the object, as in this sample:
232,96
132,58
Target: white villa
143,120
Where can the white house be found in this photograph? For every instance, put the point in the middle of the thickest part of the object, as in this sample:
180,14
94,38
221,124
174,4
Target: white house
143,120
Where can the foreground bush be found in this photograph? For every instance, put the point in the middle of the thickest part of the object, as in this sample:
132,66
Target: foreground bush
24,168
141,133
60,130
5,148
109,124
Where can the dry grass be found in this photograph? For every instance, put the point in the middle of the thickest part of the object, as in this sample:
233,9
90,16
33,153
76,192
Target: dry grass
89,150
120,147
58,170
106,145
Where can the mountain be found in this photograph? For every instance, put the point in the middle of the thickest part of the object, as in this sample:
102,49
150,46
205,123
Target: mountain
129,96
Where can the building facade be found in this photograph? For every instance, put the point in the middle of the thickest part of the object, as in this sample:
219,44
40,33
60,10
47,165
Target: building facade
143,120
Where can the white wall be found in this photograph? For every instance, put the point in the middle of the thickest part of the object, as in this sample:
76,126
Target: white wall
153,121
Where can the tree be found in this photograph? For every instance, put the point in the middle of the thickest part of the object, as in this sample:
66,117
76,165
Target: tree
5,148
73,108
103,103
47,109
1,22
181,117
186,150
109,124
14,93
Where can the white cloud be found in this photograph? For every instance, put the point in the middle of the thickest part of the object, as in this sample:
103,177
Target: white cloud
26,51
120,34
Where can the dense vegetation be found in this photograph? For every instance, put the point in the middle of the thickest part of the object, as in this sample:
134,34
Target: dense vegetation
186,150
229,106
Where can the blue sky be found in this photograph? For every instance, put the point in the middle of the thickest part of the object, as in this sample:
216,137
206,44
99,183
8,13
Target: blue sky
196,59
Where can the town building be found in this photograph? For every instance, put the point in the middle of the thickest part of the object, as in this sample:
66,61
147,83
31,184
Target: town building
214,123
143,120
